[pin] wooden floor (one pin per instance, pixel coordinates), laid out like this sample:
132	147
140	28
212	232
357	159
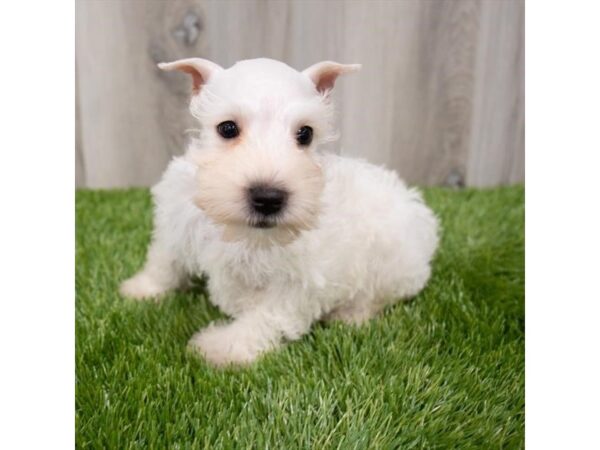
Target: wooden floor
440	97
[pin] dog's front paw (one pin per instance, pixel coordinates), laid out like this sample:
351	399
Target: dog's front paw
224	345
140	287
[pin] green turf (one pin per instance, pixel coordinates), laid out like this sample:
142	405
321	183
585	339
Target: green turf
443	371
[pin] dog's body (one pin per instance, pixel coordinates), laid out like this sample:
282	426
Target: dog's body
287	235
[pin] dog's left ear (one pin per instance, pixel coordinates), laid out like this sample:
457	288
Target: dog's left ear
325	73
200	69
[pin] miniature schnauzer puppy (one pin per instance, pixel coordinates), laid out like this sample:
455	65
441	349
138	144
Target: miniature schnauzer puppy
287	234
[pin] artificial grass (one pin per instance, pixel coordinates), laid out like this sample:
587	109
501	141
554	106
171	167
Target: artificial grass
445	370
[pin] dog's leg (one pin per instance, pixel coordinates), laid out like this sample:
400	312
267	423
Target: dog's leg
253	333
355	313
159	275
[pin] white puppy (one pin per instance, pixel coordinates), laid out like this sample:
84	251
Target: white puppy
287	235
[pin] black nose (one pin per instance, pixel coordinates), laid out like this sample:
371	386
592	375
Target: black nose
267	200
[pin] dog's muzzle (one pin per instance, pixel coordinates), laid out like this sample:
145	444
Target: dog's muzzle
266	203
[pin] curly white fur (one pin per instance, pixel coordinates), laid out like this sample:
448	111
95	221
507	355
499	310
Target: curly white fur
353	239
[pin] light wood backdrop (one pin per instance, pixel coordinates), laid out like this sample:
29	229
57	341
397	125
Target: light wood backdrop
440	97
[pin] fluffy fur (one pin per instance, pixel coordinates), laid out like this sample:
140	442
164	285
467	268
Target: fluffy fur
351	239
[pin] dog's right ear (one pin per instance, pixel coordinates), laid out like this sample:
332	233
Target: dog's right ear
200	69
324	74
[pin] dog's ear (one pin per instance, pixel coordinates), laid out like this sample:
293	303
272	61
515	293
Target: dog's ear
200	69
325	73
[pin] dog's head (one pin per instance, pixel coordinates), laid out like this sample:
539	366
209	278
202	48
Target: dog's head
261	122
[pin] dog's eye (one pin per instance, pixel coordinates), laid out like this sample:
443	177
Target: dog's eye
228	129
304	136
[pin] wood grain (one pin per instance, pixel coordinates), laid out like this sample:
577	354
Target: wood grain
132	115
414	108
440	97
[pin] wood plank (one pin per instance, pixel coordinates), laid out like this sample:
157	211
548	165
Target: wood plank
497	150
132	114
79	162
413	110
